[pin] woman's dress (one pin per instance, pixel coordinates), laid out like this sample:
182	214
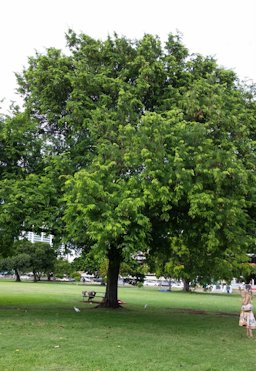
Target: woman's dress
247	318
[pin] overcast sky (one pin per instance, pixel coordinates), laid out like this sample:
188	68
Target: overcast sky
225	29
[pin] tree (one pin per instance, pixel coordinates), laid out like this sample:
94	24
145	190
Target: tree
62	267
18	263
144	145
211	221
20	153
41	255
30	182
134	269
89	262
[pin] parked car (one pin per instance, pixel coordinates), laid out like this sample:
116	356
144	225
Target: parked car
98	279
164	283
26	276
177	284
85	279
67	279
150	283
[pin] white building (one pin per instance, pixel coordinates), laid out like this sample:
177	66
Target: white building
33	237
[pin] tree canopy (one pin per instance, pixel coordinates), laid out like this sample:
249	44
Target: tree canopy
38	257
139	146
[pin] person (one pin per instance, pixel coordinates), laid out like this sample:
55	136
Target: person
228	288
247	318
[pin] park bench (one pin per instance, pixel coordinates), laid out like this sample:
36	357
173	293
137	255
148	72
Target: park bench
91	295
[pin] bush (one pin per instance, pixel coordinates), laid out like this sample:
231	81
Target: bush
76	276
139	284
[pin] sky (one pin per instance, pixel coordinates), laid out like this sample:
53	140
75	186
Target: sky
224	29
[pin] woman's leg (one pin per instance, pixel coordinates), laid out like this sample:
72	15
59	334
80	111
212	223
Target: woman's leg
249	332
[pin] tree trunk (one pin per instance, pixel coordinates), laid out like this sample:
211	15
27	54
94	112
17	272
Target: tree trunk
111	298
17	275
35	276
186	285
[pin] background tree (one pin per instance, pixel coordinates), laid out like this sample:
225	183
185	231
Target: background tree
19	263
89	262
135	270
30	182
38	257
62	267
20	153
42	257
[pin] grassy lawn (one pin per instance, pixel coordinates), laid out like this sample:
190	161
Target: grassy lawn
40	331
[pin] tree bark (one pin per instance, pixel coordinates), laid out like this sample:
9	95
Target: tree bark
34	276
186	285
111	296
17	275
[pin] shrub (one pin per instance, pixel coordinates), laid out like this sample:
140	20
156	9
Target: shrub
76	276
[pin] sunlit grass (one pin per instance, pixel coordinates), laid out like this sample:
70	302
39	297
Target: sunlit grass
39	330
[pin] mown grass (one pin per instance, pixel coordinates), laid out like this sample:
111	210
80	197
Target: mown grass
40	331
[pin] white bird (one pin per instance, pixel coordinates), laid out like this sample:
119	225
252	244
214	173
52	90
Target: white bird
76	309
145	306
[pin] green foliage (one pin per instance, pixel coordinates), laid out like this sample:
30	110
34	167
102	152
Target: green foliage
38	257
62	267
88	262
41	256
143	147
103	271
135	269
76	276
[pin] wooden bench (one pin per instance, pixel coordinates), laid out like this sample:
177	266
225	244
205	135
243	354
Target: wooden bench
91	295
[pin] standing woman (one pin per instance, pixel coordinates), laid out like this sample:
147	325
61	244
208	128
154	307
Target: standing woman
246	316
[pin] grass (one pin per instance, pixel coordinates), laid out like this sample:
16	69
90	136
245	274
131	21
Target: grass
40	331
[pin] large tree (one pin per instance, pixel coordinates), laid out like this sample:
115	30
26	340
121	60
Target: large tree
213	217
145	148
